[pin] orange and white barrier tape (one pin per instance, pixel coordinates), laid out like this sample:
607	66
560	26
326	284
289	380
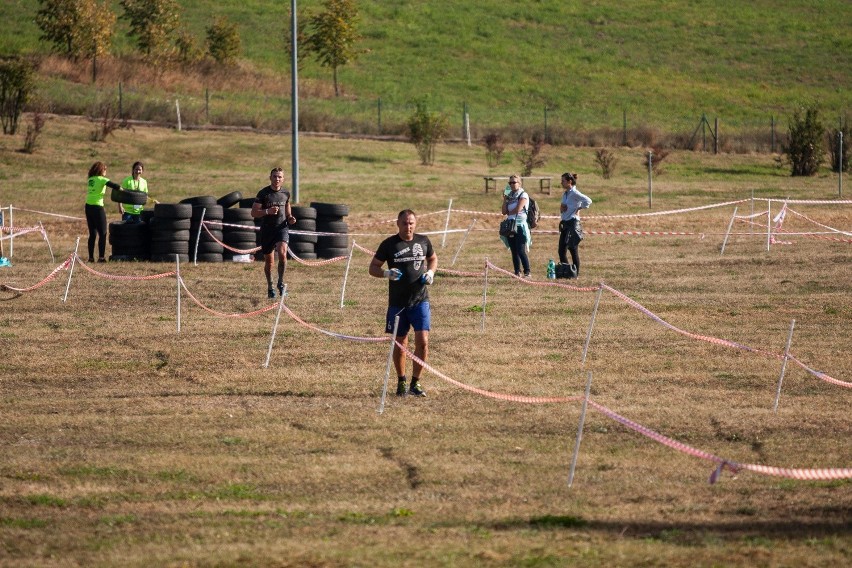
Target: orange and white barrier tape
333	333
49	214
118	277
222	314
63	266
791	473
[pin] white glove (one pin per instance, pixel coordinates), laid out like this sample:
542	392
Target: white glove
427	277
393	274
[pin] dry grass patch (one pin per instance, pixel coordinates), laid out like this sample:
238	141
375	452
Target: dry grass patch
127	442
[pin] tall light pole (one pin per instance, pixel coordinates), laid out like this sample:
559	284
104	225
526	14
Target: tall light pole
294	118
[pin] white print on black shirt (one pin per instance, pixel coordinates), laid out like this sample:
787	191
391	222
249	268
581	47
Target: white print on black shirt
417	256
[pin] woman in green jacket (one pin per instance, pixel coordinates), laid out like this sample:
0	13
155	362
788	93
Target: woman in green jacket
95	212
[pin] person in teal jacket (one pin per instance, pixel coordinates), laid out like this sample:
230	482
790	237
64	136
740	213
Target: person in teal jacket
95	212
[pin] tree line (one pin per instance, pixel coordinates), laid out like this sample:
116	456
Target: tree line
85	29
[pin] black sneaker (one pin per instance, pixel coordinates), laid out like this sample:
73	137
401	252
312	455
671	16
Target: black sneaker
270	293
400	387
415	389
280	287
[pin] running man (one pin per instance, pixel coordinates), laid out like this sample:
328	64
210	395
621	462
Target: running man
411	268
272	204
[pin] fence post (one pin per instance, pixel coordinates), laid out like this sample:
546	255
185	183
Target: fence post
716	135
840	163
177	110
650	167
772	135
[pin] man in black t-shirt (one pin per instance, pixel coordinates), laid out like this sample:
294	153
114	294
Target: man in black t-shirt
272	204
411	268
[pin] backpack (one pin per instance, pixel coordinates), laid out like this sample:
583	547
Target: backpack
533	214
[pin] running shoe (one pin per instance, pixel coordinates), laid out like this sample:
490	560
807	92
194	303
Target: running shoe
415	389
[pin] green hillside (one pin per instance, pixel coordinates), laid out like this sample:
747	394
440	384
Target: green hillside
587	62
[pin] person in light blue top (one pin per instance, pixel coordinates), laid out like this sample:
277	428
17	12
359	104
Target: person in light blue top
570	230
515	204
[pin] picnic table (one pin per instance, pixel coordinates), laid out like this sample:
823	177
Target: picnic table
543	182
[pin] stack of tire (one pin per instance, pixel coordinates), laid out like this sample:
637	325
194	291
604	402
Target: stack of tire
237	237
247	204
304	245
129	241
208	249
330	219
170	232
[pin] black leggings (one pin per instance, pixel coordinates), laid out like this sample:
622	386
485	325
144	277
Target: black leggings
97	223
568	242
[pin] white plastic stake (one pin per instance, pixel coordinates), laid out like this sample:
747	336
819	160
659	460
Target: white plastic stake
447	224
275	327
71	271
177	280
592	323
784	366
50	248
768	223
580	431
177	109
198	236
728	232
12	232
388	367
464	238
346	274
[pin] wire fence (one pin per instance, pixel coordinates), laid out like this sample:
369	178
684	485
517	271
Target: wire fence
634	127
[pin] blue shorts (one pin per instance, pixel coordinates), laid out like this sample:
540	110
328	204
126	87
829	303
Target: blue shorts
418	316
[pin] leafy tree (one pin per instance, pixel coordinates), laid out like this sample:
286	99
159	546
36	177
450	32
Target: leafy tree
804	150
425	130
151	23
17	84
333	35
223	40
57	20
188	50
77	28
96	31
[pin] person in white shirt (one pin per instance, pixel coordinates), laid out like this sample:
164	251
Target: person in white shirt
570	230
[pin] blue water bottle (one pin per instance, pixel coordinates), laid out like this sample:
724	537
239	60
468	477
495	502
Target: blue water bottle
551	269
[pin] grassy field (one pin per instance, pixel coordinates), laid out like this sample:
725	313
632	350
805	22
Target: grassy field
128	443
663	64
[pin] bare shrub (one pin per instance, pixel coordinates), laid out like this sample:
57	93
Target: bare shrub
658	154
529	155
494	148
606	161
644	136
33	131
108	121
